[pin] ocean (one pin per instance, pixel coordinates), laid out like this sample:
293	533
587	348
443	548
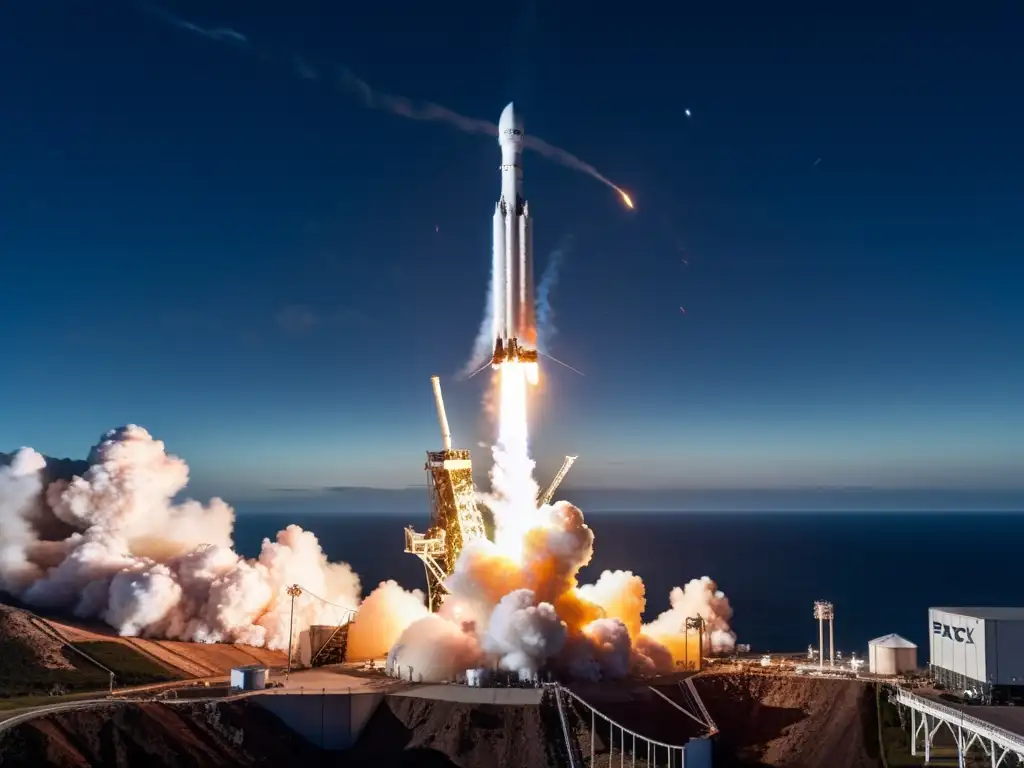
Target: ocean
882	571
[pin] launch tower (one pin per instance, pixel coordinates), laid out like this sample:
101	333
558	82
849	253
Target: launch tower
454	517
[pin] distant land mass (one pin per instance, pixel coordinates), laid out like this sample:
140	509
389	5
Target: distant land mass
346	499
362	500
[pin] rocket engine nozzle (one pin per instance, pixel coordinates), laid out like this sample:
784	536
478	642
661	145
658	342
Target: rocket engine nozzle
511	352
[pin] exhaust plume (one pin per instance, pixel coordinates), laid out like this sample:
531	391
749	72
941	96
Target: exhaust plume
383	616
125	553
483	346
546	329
515	602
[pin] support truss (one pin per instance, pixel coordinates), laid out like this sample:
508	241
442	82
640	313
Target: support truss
1002	747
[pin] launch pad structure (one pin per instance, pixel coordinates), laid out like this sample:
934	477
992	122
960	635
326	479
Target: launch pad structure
455	519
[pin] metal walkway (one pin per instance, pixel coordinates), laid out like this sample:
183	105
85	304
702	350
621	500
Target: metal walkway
928	716
658	753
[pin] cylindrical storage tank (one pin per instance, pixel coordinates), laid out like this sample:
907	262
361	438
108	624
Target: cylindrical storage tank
892	655
251	678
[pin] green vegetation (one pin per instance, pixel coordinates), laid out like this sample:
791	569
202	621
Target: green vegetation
22	675
25	702
130	666
895	741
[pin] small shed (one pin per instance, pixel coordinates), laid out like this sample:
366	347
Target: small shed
891	655
250	678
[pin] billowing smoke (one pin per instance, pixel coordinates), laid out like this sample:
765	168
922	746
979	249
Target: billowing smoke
515	603
383	616
699	597
107	541
434	649
110	543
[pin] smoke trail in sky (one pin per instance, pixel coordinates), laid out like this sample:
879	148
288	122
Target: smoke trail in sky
396	105
403	107
217	34
545	312
484	344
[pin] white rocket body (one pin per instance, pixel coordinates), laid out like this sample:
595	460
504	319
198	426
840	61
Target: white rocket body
513	313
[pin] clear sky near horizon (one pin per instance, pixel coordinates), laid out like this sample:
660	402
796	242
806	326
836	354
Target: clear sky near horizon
200	236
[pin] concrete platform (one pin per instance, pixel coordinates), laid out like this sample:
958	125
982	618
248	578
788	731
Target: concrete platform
466	695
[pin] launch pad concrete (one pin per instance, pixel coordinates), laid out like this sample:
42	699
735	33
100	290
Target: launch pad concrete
469	695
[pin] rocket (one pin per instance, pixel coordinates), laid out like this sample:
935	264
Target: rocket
513	312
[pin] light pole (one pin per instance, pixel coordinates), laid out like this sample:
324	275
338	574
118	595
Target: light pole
824	611
293	591
697	623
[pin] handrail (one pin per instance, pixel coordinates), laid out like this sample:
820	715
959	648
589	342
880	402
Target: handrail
690	715
622	727
565	728
956	715
700	703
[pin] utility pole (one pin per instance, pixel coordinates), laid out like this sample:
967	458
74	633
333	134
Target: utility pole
697	623
293	591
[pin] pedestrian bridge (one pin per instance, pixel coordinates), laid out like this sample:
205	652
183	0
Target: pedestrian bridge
972	728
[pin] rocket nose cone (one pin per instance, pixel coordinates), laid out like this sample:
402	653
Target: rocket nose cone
510	126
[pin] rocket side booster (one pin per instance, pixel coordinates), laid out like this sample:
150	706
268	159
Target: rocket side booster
512	314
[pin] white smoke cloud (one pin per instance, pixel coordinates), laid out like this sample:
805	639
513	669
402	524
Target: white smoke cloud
148	566
699	597
109	543
21	484
522	633
434	649
383	616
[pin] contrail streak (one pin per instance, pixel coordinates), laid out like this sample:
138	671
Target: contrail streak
403	107
428	111
388	102
217	34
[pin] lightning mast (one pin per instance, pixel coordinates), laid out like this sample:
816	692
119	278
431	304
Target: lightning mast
454	517
549	494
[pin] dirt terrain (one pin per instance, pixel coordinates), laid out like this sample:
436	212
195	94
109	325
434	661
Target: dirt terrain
35	660
23	644
190	659
791	721
40	656
157	736
406	731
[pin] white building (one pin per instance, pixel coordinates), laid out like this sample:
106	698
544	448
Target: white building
891	655
978	651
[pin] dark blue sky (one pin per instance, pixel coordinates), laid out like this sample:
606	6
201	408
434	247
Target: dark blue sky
264	273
